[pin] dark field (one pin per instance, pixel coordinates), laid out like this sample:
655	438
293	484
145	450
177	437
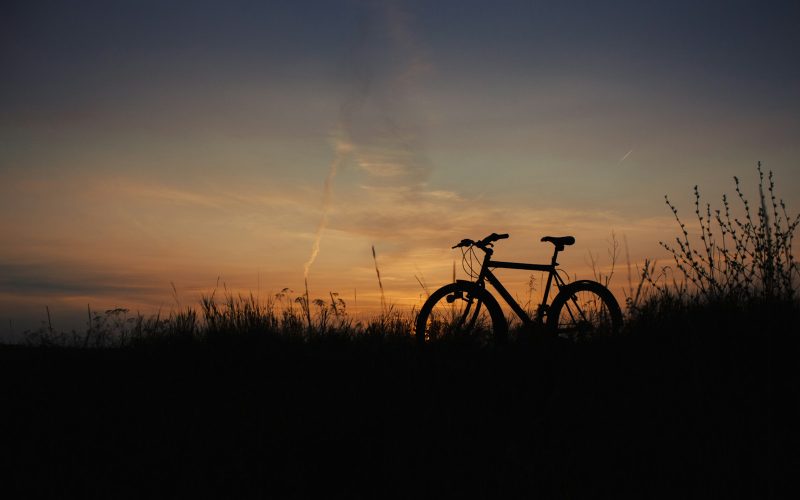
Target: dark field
682	404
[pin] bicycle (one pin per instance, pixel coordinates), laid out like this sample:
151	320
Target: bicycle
580	310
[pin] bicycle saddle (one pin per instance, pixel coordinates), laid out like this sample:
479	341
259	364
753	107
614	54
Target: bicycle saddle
560	241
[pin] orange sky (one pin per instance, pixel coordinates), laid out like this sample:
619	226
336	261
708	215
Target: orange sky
134	157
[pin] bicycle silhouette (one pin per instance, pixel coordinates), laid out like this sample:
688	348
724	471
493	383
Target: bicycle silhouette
581	309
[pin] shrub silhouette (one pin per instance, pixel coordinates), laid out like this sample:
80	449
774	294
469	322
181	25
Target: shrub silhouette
738	259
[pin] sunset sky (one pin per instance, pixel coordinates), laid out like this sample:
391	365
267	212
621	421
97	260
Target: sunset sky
145	143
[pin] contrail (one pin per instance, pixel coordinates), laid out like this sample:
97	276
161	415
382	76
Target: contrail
373	131
343	148
625	157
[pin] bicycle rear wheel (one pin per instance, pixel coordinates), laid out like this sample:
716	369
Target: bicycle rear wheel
584	310
461	310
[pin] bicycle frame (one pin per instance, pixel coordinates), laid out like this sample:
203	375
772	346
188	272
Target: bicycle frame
487	275
580	309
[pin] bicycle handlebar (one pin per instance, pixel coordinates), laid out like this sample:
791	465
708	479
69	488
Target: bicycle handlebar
482	243
464	243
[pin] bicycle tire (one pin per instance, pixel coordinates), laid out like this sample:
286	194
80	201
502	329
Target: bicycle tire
584	310
446	314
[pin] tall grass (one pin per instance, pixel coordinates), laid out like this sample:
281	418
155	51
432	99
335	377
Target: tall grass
228	317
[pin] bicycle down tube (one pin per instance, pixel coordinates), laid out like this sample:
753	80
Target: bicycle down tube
491	278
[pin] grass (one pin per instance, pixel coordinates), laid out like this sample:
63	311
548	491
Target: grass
289	397
684	404
240	316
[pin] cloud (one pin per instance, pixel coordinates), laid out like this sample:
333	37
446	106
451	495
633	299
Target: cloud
218	197
69	279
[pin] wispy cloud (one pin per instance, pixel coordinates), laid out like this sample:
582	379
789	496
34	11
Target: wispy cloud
71	278
219	196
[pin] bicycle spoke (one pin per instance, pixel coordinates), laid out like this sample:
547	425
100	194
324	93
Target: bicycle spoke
456	314
584	315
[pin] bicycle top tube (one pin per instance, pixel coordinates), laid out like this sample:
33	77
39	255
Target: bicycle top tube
497	264
486	243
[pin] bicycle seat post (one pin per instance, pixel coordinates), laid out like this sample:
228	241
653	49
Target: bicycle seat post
553	262
560	243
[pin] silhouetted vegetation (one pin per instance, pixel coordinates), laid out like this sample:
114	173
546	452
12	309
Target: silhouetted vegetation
727	263
740	259
290	397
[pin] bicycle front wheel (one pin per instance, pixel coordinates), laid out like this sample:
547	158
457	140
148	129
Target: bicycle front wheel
584	310
461	310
